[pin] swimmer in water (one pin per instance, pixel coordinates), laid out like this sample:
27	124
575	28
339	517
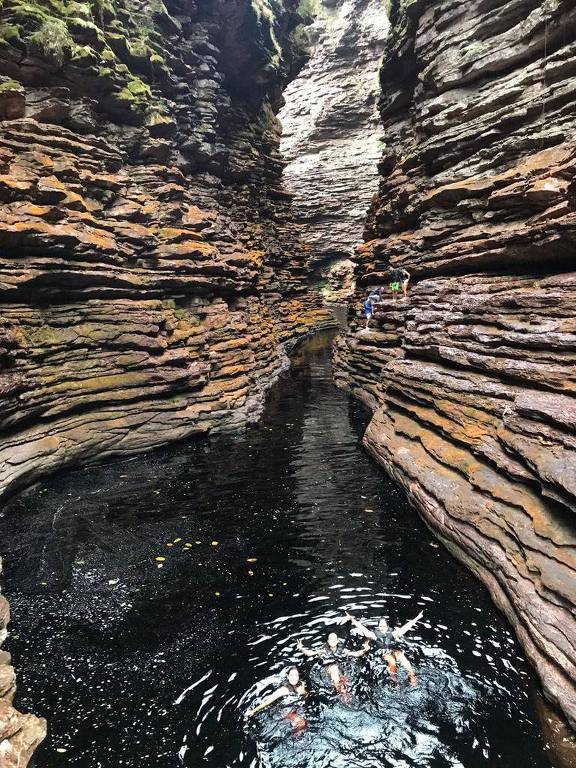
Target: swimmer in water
330	654
294	689
385	640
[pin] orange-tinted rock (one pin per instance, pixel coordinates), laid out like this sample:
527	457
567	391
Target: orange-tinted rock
150	275
473	380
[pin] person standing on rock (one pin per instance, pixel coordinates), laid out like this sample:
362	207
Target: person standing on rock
330	655
386	640
399	278
368	311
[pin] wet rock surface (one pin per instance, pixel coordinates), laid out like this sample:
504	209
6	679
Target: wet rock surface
331	132
150	275
472	379
149	271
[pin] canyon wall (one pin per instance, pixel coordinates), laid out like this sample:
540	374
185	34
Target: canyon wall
150	274
472	380
331	131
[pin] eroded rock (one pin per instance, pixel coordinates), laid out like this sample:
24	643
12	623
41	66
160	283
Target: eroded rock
472	380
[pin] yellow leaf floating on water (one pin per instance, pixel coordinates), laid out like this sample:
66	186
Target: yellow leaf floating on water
177	540
217	594
159	559
187	544
197	542
368	510
251	559
215	543
60	749
250	573
169	544
159	565
270	594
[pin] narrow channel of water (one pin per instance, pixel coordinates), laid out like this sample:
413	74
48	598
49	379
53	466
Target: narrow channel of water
267	537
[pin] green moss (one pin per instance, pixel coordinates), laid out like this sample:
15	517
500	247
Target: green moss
115	41
138	88
84	54
12	85
156	118
52	41
10	33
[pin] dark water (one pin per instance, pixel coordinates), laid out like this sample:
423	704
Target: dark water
273	534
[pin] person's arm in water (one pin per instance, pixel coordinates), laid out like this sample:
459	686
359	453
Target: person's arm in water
408	626
361	628
278	694
307	651
361	652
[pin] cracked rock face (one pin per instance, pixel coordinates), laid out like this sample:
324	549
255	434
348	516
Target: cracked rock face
331	131
150	273
472	380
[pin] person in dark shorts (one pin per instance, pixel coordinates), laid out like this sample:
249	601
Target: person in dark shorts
330	655
399	278
292	691
386	641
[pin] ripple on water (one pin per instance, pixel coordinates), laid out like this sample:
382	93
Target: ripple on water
267	538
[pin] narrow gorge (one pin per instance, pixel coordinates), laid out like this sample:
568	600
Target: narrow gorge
191	188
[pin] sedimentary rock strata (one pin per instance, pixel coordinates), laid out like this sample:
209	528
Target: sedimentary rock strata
19	734
150	274
331	134
473	379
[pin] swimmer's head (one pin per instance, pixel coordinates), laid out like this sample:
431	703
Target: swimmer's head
333	640
293	676
383	625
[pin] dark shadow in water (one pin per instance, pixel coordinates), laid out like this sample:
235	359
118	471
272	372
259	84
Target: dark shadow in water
267	537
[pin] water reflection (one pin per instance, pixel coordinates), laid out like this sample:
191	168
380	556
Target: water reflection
159	598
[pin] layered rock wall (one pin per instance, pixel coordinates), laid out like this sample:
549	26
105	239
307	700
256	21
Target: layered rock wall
146	281
473	379
150	273
331	132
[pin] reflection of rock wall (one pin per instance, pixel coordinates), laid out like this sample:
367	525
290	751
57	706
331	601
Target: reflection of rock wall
149	273
330	126
473	379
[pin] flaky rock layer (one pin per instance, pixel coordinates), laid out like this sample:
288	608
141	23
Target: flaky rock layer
473	379
150	275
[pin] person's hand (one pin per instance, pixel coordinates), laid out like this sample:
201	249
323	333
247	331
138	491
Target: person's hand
348	616
420	615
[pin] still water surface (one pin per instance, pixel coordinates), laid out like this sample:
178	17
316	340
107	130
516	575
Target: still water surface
267	538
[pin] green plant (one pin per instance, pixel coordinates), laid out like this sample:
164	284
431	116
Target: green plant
51	41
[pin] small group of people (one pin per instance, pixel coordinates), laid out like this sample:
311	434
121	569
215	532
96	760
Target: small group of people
385	640
399	279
